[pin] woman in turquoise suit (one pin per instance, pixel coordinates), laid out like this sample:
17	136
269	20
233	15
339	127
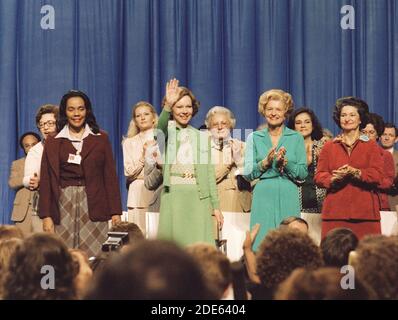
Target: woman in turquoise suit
276	156
189	197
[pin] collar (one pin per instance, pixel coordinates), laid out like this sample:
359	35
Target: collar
285	132
64	133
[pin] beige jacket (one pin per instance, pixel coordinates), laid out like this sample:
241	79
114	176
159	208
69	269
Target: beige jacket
23	203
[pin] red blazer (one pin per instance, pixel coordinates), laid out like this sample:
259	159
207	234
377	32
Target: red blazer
102	187
352	200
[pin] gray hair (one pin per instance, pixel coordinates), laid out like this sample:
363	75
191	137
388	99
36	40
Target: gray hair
218	109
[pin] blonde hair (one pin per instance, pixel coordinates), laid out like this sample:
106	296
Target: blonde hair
133	128
222	110
277	95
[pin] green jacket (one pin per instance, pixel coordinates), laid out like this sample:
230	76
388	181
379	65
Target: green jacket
204	169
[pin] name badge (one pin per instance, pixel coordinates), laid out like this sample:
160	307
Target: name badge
74	158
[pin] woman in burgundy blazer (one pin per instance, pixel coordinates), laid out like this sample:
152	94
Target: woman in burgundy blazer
350	167
79	189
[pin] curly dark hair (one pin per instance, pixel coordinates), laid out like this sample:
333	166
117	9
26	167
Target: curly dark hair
24	276
282	251
317	132
90	118
377	122
186	92
360	105
28	133
337	245
376	264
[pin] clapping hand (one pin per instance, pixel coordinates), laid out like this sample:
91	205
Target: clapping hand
280	158
267	161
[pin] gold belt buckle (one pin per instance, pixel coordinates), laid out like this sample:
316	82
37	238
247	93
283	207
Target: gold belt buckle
187	175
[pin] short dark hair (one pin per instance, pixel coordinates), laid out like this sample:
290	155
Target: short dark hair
282	251
337	245
46	108
316	133
289	220
391	125
134	231
377	122
29	133
151	270
361	106
90	118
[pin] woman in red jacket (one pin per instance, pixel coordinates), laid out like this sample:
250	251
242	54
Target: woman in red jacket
79	189
350	167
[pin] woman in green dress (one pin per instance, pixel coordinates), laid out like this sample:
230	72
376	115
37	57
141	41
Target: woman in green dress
276	156
189	197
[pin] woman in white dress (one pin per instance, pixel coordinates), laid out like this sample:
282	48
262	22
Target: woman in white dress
139	134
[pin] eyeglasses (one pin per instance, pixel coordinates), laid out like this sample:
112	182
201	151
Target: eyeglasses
49	124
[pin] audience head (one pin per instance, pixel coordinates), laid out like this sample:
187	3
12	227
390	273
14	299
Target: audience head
375	127
151	270
46	119
281	252
351	113
337	245
134	231
9	232
220	121
7	248
294	222
306	122
389	136
75	110
376	265
215	267
40	257
320	284
28	140
144	117
275	105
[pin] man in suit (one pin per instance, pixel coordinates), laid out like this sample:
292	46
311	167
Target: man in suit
24	198
388	140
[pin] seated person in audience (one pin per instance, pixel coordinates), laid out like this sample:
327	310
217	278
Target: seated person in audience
134	231
22	280
151	270
7	248
281	252
337	245
376	265
215	268
294	222
24	198
84	274
46	120
374	129
320	284
8	232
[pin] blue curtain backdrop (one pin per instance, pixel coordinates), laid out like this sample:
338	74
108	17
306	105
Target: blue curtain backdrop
227	51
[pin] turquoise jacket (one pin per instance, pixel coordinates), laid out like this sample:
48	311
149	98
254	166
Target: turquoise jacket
257	146
204	169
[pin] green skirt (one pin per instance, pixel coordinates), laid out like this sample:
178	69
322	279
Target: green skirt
184	218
